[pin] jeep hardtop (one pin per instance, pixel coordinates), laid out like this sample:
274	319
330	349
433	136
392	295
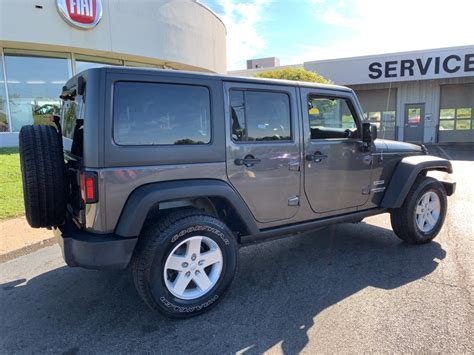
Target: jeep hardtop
169	172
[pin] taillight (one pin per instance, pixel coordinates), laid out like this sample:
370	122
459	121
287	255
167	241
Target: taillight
88	184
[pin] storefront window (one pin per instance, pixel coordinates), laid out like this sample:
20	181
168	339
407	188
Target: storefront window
456	118
3	102
447	114
463	113
374	117
383	120
34	84
463	124
446	125
84	62
388	119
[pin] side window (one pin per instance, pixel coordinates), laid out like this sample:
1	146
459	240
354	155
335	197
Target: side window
158	114
258	116
331	117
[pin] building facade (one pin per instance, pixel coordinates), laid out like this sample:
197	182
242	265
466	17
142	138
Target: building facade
44	42
263	63
419	96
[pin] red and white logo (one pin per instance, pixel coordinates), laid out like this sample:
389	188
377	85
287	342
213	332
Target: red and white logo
81	13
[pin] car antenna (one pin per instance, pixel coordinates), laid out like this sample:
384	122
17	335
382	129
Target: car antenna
386	110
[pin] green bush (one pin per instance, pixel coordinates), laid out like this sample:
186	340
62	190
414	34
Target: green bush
296	73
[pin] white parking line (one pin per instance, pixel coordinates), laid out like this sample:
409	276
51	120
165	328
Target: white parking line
445	153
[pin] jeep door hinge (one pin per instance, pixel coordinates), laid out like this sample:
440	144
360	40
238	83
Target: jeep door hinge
294	201
294	165
366	190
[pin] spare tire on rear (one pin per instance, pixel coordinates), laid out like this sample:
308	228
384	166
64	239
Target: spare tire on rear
44	176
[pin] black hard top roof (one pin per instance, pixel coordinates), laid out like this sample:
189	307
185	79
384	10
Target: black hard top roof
210	76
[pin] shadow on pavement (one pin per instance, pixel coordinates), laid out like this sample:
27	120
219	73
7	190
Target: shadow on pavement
279	289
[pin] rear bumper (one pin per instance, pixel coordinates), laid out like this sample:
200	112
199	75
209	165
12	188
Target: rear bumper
94	251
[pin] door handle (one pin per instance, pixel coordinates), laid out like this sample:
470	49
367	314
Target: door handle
248	161
316	157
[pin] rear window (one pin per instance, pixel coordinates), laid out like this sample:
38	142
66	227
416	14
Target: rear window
161	114
72	122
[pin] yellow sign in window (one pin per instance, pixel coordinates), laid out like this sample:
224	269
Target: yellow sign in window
313	111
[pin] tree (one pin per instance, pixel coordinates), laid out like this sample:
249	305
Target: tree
294	73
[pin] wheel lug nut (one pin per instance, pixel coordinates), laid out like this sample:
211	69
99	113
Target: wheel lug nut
197	272
200	262
185	264
193	257
188	274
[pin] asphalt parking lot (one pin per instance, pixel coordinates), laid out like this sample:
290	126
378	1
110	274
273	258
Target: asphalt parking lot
348	288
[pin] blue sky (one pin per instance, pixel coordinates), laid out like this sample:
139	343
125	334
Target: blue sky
305	30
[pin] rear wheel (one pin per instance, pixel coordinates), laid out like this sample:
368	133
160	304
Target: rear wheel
43	175
184	263
422	215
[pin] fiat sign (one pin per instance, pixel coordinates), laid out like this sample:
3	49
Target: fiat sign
84	14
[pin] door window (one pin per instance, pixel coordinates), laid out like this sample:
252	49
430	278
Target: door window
331	118
414	116
258	116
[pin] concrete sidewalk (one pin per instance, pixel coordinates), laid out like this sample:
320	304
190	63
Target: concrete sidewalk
18	238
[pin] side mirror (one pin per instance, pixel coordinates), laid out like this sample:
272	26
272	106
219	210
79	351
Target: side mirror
373	131
369	132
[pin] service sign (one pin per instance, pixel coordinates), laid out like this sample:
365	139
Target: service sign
84	14
440	63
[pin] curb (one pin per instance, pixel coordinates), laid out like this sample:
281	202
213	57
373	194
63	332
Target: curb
27	250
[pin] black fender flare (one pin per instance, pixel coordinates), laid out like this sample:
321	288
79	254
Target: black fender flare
405	175
144	198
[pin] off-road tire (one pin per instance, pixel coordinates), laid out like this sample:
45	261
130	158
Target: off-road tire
43	175
157	241
403	219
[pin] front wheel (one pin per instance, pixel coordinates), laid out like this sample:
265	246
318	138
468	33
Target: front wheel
185	263
422	215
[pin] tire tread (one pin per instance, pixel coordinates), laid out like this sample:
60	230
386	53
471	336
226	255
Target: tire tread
402	218
154	236
43	175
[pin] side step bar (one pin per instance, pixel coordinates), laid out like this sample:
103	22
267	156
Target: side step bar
282	231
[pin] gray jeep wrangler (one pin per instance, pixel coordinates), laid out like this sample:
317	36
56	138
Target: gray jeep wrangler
169	172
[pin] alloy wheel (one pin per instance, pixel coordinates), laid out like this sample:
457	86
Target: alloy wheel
428	211
193	267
